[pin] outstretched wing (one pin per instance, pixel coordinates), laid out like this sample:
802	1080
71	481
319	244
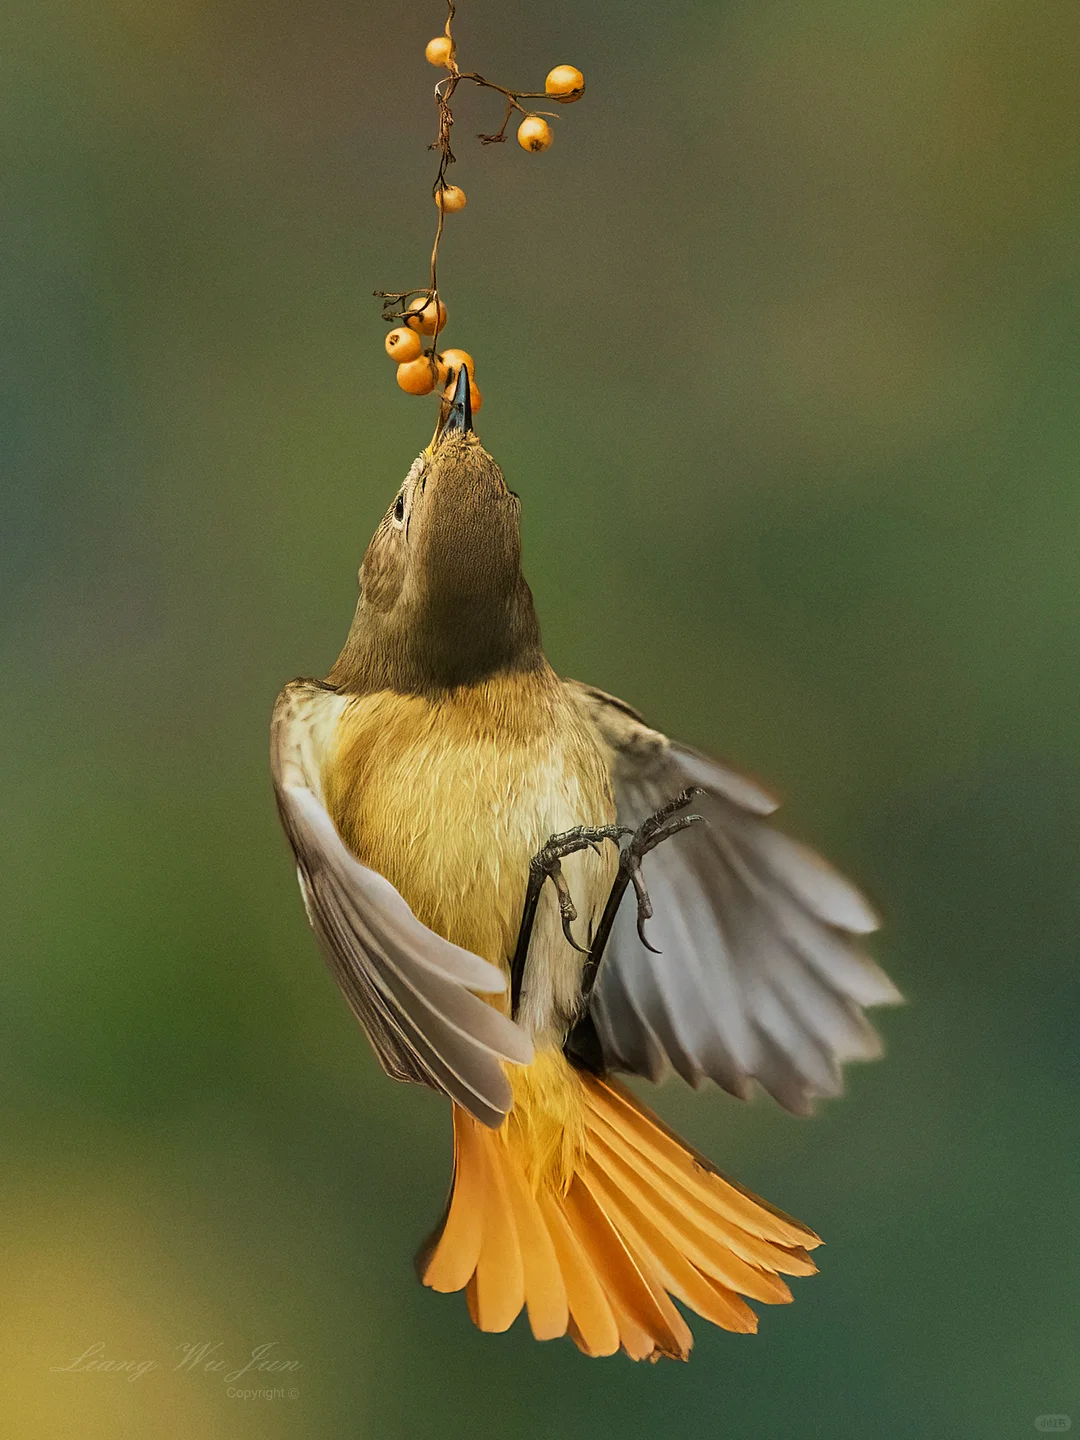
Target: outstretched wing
410	989
759	976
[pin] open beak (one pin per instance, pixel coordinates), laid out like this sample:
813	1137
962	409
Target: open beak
455	417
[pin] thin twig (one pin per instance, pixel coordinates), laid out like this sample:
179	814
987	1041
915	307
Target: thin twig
396	303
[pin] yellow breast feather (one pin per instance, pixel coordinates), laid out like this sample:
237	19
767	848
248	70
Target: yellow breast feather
450	798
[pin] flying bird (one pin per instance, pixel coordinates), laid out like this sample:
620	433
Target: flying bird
525	891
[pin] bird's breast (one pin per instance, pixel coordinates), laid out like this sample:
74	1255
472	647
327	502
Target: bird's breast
450	798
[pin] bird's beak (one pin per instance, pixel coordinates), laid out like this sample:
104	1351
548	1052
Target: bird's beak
455	417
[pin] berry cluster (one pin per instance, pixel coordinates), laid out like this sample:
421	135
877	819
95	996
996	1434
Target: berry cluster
420	370
422	312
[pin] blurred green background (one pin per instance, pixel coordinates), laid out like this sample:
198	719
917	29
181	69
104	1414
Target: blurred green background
780	346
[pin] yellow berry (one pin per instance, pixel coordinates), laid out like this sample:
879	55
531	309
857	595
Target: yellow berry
565	82
450	198
454	359
534	133
422	315
439	51
415	376
403	345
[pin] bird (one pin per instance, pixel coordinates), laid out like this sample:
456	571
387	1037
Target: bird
510	886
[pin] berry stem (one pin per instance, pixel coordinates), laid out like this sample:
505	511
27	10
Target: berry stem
396	303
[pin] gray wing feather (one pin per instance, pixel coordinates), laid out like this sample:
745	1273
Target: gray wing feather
411	990
759	977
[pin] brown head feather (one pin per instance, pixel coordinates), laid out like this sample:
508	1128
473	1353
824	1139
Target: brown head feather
443	601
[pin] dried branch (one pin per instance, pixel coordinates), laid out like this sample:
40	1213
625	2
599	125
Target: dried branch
396	303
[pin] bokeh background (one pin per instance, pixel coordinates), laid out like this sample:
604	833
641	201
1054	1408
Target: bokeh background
779	344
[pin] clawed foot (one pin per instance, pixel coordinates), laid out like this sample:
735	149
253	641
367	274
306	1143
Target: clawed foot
545	864
652	832
659	827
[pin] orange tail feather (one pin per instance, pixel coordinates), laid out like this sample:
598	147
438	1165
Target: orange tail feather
643	1218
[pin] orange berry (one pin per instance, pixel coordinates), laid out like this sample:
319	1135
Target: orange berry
415	376
534	133
454	359
450	198
422	316
403	345
565	82
439	51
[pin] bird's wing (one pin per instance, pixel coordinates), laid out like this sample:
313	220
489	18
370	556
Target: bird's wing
759	976
410	989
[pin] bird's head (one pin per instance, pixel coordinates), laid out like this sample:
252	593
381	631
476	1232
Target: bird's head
443	601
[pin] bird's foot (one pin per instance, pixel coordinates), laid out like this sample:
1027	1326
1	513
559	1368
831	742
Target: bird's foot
659	827
546	865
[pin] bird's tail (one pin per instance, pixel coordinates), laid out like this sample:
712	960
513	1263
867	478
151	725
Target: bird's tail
599	1252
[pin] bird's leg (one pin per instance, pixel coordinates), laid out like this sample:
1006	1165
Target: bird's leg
651	832
546	865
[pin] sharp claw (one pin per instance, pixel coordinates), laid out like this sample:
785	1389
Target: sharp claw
648	838
581	949
644	905
641	936
567	911
658	820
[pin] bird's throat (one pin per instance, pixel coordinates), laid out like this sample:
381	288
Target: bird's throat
450	640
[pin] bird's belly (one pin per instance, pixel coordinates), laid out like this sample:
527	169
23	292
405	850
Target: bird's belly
451	805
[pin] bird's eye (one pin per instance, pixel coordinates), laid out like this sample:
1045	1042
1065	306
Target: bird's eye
399	508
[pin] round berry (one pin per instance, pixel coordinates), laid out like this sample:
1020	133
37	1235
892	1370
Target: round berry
415	376
534	133
439	51
454	359
450	199
403	345
424	316
565	82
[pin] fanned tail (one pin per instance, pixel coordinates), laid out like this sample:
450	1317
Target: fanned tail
643	1218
